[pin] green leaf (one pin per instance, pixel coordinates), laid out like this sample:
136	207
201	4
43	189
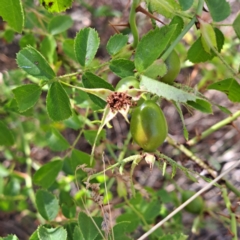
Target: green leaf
77	234
175	236
116	43
56	5
87	227
236	25
119	230
56	141
133	221
90	136
4	172
219	9
34	236
12	12
59	24
122	67
52	233
6	137
91	80
68	48
27	96
10	237
178	21
74	122
166	8
185	5
157	70
197	53
224	109
48	49
26	40
13	107
165	90
32	62
9	35
185	131
47	174
47	204
58	103
79	158
86	44
152	45
201	105
152	210
208	36
228	86
68	211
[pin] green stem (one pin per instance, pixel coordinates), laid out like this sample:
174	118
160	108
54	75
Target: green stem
233	71
28	179
178	39
70	74
214	128
188	153
232	188
222	24
125	145
232	215
201	163
132	23
137	212
128	159
184	31
200	7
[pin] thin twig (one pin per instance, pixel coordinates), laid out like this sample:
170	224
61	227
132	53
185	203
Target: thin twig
214	128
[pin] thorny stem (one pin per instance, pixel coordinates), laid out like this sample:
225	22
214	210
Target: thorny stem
188	153
132	22
214	128
201	163
188	201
